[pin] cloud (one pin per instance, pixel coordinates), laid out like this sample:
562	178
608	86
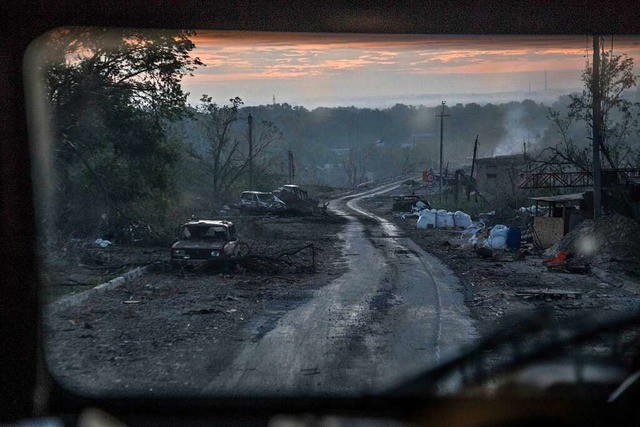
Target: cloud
346	63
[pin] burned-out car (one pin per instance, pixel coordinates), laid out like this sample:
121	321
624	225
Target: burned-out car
205	240
258	201
296	199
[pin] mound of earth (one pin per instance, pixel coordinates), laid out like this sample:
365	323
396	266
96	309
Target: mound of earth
612	242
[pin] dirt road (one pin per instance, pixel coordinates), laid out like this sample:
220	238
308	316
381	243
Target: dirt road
396	311
378	310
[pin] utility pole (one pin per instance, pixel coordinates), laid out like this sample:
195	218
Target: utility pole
442	115
250	121
292	168
473	163
597	128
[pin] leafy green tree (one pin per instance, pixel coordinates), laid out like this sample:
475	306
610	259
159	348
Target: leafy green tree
112	92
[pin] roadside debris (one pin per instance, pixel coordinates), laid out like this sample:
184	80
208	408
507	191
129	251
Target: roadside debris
610	242
300	260
409	203
548	294
102	243
497	237
566	263
513	279
559	259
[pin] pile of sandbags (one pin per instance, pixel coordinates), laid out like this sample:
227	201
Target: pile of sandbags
427	219
497	237
432	218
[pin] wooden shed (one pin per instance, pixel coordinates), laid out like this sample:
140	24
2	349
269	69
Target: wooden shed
563	215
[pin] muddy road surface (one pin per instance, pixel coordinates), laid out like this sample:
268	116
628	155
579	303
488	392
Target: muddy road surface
396	311
378	311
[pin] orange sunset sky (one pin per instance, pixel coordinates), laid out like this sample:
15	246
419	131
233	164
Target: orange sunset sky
379	71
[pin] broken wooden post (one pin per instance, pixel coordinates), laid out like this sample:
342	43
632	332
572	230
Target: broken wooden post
473	163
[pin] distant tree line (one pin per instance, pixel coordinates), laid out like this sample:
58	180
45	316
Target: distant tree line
343	146
130	156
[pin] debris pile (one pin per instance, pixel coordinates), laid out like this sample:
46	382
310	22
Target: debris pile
409	205
611	239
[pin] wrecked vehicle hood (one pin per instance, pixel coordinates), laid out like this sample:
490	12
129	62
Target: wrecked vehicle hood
198	244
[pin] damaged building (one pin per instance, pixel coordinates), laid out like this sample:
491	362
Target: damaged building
498	178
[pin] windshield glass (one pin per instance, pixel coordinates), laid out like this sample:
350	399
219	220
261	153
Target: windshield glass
204	232
429	187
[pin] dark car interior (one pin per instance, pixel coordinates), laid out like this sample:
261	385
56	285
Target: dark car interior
29	393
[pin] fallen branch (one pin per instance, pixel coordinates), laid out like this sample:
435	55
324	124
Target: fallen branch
279	262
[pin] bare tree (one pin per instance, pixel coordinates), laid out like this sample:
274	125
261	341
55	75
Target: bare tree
227	159
615	78
350	165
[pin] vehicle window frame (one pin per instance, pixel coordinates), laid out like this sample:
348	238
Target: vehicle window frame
21	362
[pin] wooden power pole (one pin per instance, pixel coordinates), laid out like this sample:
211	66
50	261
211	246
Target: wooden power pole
597	128
250	121
292	168
442	115
473	164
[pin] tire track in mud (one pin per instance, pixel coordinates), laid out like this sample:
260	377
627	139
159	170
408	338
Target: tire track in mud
392	237
387	318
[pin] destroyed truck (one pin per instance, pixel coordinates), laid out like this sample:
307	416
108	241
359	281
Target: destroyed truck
297	201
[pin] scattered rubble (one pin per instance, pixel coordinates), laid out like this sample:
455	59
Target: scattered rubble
513	278
611	242
409	203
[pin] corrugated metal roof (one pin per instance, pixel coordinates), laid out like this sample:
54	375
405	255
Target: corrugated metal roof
559	198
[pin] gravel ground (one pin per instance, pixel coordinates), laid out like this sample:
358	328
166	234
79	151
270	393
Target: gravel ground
152	334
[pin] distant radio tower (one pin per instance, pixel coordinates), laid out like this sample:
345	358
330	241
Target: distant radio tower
274	100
